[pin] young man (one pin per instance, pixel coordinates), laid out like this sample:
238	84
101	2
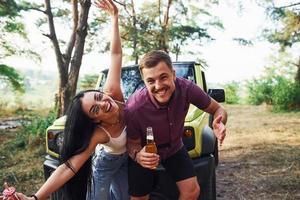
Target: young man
163	105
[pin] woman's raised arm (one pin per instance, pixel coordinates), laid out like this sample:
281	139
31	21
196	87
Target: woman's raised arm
113	81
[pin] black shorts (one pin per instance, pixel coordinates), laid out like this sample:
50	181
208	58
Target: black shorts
141	180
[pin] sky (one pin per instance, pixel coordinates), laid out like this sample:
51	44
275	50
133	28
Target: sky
227	60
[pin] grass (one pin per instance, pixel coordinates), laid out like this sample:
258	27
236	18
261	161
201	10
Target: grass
260	157
258	160
22	152
21	167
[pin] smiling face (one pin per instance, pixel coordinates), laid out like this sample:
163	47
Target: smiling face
159	81
100	107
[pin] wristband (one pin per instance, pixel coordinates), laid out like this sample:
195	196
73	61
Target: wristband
35	197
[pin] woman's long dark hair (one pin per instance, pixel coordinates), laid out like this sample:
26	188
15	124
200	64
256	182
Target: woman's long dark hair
77	136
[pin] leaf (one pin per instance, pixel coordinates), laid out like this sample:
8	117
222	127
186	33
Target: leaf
10	75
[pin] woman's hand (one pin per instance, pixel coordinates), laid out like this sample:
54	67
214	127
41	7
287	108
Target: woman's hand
107	5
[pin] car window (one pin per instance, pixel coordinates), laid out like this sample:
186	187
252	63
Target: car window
185	70
131	79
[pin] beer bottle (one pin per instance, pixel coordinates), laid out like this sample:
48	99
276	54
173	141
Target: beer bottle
150	146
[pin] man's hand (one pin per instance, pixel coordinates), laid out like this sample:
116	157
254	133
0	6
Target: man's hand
147	160
219	129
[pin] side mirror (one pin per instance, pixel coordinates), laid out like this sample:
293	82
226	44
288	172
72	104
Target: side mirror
217	94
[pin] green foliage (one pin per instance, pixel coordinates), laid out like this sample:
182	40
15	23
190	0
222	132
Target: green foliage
260	91
277	86
286	27
243	42
39	124
286	95
15	27
8	8
10	75
9	11
88	82
231	91
146	29
278	91
12	26
62	12
34	129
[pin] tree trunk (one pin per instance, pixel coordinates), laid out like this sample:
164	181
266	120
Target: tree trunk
135	37
165	44
75	64
297	78
163	40
69	63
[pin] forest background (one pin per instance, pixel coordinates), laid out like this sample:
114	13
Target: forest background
53	41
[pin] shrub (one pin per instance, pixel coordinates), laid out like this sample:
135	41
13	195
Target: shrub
259	91
88	82
231	91
286	95
279	91
34	129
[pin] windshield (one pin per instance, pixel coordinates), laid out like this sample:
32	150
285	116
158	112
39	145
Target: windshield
131	78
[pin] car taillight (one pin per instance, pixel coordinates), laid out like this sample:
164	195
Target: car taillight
55	140
189	138
188	133
51	135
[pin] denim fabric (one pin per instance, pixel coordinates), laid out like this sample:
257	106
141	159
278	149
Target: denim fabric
110	178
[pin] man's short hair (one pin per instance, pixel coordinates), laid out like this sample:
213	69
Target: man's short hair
152	58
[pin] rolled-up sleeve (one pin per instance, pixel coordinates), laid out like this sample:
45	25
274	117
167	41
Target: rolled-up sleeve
198	97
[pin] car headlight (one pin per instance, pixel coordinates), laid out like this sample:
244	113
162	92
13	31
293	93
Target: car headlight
189	138
55	140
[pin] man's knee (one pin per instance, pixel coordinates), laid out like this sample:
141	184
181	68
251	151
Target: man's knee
189	189
191	193
196	192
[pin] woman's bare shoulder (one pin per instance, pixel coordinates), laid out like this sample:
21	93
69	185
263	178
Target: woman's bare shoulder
100	136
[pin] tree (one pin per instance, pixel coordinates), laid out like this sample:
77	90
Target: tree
150	28
167	25
287	33
69	61
11	25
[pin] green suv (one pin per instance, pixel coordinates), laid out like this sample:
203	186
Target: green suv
197	137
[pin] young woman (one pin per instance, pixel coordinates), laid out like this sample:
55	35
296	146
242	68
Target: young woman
94	118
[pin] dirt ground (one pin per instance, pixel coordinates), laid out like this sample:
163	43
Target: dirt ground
260	157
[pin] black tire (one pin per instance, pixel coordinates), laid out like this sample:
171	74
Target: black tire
209	191
216	153
216	149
